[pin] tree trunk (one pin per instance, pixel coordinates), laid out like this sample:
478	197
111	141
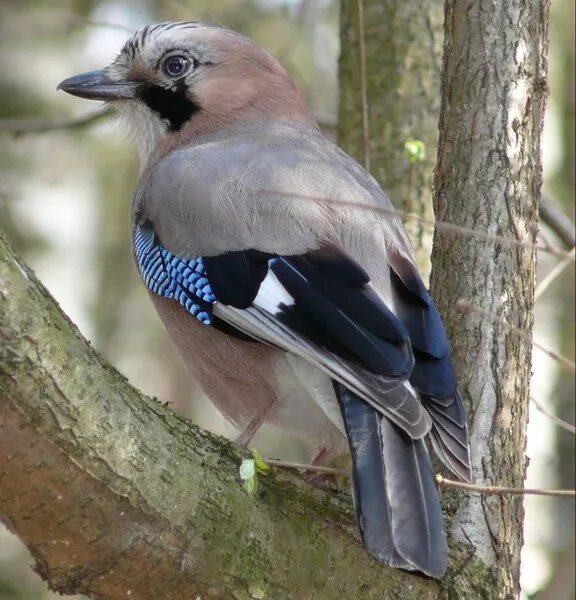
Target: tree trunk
488	179
397	100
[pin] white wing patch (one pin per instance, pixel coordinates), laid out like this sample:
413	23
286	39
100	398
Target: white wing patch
272	295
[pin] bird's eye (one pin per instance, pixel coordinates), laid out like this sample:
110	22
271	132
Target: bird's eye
175	66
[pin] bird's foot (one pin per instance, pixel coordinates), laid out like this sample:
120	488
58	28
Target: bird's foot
316	477
250	431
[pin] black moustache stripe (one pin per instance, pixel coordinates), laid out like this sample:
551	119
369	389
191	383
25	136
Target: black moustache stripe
172	105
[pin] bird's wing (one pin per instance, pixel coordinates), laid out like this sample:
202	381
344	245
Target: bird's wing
433	374
317	305
239	201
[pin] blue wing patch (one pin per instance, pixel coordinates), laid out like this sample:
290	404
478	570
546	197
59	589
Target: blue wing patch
172	277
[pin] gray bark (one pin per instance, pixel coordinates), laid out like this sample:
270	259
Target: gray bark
488	178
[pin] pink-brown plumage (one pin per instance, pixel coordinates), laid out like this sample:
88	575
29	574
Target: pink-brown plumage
248	382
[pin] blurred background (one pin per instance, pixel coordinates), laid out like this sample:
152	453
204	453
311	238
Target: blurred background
64	195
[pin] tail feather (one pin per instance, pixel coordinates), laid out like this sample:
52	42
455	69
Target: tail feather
395	495
452	408
449	434
454	461
417	524
369	482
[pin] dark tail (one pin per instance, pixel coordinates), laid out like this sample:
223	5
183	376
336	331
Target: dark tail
395	495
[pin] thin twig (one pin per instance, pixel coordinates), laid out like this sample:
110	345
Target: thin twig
499	491
19	127
466	306
441	225
442	482
554	418
558	221
107	25
292	465
78	20
553	275
363	84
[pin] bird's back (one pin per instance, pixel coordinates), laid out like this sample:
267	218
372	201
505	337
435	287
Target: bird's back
279	187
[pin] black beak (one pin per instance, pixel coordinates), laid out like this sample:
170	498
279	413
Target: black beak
96	85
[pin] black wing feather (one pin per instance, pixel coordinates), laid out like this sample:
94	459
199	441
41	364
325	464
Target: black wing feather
235	277
334	306
337	265
433	374
337	311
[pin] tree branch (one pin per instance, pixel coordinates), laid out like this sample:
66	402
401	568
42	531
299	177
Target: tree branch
560	224
22	126
115	495
497	490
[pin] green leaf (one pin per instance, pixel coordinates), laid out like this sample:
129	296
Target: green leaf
251	484
261	466
414	150
249	475
247	469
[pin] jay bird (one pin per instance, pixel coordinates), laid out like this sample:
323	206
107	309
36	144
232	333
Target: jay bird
288	303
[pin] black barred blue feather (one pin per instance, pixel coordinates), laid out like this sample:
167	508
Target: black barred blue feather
171	277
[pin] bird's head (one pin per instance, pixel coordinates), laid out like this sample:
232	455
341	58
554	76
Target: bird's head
174	81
